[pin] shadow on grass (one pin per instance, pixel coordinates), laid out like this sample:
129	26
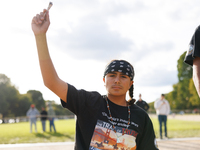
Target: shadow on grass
48	135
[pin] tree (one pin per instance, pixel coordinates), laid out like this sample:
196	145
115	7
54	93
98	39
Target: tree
8	96
59	110
3	104
184	95
4	80
37	98
184	76
184	70
14	104
172	96
23	105
194	98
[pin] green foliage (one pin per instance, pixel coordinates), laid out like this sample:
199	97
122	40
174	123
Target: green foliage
184	76
37	98
8	96
194	98
151	107
184	95
59	110
171	97
184	70
4	80
23	105
14	104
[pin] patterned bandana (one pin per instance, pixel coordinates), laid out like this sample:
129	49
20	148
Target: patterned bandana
120	66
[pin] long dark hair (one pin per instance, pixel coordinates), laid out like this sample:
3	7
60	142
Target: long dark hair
131	95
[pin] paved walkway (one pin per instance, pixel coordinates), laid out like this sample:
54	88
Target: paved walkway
179	144
170	144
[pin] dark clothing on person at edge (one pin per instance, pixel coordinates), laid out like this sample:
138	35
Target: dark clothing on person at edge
194	48
142	104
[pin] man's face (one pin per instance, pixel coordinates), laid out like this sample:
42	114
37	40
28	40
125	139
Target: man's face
162	97
117	83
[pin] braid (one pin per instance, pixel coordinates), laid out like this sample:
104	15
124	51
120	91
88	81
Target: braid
131	92
131	100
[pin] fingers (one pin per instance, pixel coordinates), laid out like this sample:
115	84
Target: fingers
46	14
40	22
39	18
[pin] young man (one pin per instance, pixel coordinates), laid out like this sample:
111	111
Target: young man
103	122
142	104
192	58
162	110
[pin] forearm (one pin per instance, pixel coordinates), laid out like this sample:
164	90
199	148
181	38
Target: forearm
47	69
49	74
40	24
196	74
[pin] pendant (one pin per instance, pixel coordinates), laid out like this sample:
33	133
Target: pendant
118	140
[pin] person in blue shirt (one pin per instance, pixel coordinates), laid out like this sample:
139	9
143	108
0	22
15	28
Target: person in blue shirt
32	114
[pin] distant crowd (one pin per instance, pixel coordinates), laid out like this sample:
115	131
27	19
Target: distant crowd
33	113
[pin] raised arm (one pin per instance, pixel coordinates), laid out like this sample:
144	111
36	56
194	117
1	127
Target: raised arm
40	24
196	74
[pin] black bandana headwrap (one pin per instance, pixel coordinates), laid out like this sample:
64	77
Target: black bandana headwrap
120	66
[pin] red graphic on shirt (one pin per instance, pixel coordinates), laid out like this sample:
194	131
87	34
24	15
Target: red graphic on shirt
106	139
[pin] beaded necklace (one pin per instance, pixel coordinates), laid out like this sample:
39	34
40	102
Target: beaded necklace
129	114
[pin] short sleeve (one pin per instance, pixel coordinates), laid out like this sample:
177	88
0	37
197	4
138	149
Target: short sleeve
79	100
194	48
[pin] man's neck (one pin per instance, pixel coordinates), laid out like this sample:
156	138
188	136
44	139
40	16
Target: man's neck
119	100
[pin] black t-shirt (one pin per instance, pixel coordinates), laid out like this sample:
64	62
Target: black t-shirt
94	128
194	47
142	104
44	115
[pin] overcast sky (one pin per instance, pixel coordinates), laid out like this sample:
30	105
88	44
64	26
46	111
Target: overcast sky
85	35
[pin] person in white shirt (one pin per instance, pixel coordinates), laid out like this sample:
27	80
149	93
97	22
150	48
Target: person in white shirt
162	110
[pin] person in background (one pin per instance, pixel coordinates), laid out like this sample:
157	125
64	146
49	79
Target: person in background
32	113
141	103
162	110
51	115
43	114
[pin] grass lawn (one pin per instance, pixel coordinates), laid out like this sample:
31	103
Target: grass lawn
19	132
178	128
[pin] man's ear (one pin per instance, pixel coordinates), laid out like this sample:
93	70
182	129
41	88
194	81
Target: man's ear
104	80
131	83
